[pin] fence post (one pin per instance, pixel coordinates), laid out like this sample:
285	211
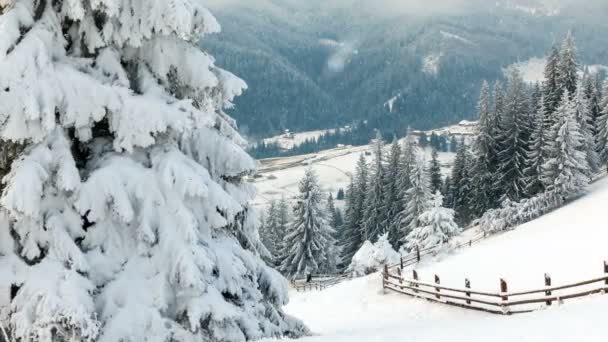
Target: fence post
417	253
437	281
415	276
606	271
548	284
400	278
470	243
503	290
467	284
401	261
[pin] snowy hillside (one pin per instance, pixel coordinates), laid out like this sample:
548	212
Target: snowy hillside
570	244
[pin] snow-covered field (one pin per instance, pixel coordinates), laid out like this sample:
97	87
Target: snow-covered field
280	176
291	140
570	244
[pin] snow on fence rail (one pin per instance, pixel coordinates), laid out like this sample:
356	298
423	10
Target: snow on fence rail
502	302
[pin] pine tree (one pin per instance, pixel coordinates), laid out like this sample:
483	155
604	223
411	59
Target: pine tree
352	232
602	139
513	140
436	227
582	113
127	217
374	221
484	196
567	69
461	185
552	93
408	160
392	190
565	170
435	173
594	97
334	214
416	198
537	152
309	242
268	232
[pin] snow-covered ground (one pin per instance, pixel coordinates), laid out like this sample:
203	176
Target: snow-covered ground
279	177
569	243
290	140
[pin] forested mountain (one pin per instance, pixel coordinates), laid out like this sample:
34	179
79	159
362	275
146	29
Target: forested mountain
309	68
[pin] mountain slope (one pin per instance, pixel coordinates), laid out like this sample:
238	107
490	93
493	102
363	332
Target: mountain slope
568	243
316	66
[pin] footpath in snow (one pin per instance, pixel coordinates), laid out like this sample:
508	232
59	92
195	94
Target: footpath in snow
570	244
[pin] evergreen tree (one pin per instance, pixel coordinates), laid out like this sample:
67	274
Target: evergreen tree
594	97
269	233
566	169
374	221
126	216
436	227
416	198
392	192
552	93
484	165
513	140
435	173
453	144
408	160
334	213
537	152
567	70
352	232
309	244
583	114
461	185
340	196
603	126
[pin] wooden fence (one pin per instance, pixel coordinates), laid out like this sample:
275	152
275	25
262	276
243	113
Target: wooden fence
501	302
322	281
319	282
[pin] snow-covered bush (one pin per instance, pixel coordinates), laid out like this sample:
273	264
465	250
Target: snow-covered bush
126	216
513	214
371	258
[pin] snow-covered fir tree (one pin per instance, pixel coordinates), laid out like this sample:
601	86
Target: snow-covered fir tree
566	169
309	244
392	191
602	126
435	172
552	93
126	216
461	183
335	216
374	214
352	232
410	152
274	229
485	151
436	226
582	113
567	69
513	140
537	151
416	198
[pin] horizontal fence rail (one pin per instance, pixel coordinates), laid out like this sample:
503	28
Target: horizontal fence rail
502	302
